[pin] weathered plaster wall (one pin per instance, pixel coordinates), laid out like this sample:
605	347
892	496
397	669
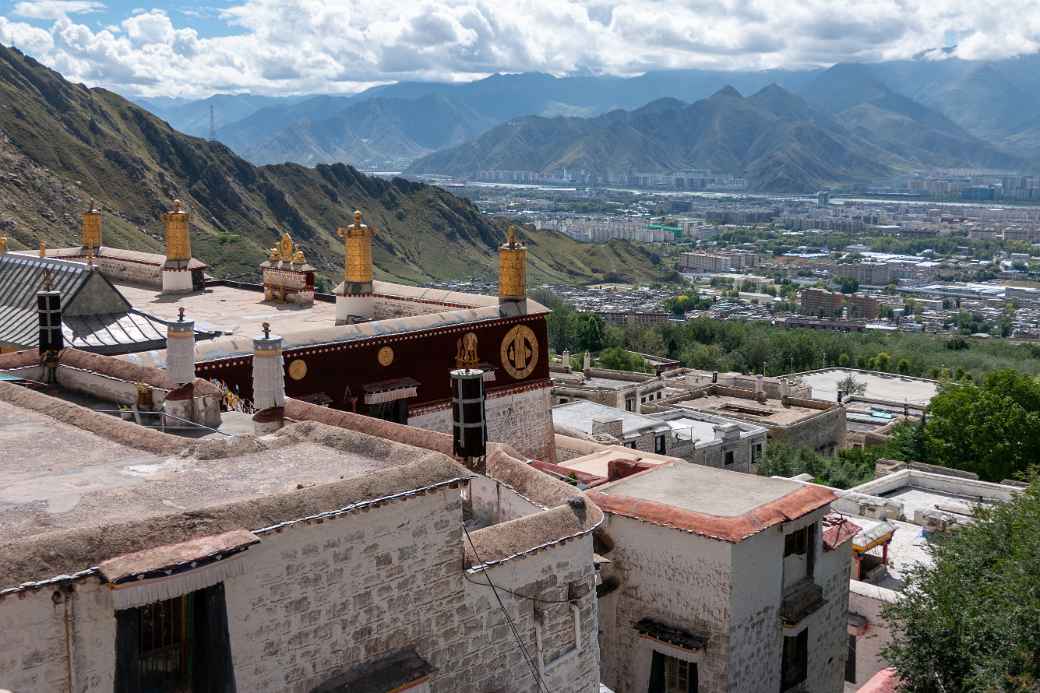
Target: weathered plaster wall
867	601
521	419
676	578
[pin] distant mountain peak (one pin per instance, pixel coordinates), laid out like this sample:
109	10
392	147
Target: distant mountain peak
727	91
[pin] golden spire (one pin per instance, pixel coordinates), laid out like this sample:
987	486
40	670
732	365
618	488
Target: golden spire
512	268
90	236
358	250
3	245
178	240
43	248
286	251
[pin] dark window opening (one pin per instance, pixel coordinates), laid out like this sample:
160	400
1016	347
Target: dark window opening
729	458
795	665
395	411
796	542
756	453
850	661
659	445
672	675
632	445
179	645
630	404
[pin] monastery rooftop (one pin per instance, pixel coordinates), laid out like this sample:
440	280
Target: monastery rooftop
770	412
688	497
230	310
880	386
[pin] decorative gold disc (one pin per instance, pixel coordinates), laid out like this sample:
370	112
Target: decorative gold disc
385	356
520	352
298	369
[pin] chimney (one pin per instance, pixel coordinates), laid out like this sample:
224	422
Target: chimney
587	364
176	276
759	385
512	271
841	395
354	300
268	383
566	358
785	388
469	427
90	236
180	349
715	377
51	339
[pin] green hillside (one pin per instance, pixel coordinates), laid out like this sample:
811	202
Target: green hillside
62	145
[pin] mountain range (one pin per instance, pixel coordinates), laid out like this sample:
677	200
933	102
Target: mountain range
959	112
62	145
850	129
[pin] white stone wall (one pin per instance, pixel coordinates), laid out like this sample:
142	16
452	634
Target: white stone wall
177	281
674	577
35	654
129	272
105	387
318	599
522	420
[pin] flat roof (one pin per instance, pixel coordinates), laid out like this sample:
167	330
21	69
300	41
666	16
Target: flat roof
909	547
231	310
890	387
580	415
769	412
716	503
59	477
696	487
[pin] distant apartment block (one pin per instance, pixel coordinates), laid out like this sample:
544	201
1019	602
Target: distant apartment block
603	229
730	261
831	304
641	319
867	273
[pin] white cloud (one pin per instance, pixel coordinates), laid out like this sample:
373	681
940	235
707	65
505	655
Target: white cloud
53	9
286	46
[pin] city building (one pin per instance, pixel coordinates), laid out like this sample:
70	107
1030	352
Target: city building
722	261
802	423
709	591
621	389
695	437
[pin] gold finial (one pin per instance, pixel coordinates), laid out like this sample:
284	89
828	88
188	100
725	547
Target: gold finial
90	236
48	280
266	327
512	268
357	250
3	245
466	351
43	248
177	231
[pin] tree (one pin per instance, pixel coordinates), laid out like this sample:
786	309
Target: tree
589	332
883	361
850	386
968	622
903	366
618	359
992	429
848	285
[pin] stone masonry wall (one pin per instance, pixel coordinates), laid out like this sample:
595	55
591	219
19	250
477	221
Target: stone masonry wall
319	598
674	577
825	430
522	420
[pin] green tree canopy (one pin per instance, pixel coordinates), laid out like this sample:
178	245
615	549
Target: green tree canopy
971	621
992	429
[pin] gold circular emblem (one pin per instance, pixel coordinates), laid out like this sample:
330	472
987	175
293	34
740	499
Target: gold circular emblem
385	356
520	352
297	369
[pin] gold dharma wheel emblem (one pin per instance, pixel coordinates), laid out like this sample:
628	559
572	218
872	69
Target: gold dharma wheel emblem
520	352
298	369
385	356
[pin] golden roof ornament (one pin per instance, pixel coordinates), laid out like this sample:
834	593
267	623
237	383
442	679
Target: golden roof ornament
43	248
286	251
512	269
178	239
466	351
357	241
3	245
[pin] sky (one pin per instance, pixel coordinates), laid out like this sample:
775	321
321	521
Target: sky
333	46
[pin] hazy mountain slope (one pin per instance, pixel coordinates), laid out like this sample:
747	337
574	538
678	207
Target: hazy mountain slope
192	116
379	133
863	104
62	144
725	133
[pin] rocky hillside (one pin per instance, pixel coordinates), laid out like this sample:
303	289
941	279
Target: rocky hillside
63	144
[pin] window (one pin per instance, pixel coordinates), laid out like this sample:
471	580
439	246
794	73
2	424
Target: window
756	453
672	675
795	542
850	661
659	445
729	458
632	445
179	645
795	664
630	404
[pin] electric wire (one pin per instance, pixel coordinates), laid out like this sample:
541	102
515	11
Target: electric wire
509	619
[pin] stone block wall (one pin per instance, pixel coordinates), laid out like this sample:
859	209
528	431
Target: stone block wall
521	419
676	578
823	432
130	272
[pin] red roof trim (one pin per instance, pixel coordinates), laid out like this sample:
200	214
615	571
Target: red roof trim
732	529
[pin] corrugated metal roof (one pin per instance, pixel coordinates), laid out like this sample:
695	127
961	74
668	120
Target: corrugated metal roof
22	276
